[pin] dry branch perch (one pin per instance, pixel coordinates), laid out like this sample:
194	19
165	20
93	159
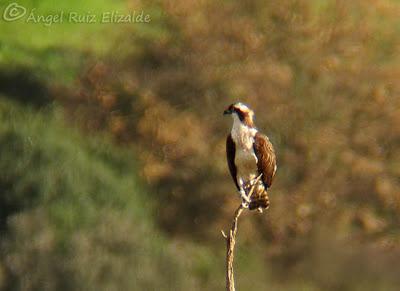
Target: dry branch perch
231	241
230	247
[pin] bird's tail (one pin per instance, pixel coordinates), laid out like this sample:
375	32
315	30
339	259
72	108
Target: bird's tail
259	199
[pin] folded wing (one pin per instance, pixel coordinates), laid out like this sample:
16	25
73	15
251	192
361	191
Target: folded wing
230	157
266	158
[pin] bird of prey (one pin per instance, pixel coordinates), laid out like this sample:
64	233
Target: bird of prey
251	158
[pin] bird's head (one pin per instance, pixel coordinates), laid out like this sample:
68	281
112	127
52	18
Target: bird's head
242	112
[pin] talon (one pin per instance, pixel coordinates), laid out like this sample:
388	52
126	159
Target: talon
244	196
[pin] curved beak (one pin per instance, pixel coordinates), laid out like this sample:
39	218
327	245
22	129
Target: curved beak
227	111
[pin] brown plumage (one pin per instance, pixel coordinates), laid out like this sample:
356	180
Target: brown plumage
249	154
259	200
230	157
266	163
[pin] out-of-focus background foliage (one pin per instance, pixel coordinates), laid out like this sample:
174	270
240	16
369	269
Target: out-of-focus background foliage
112	145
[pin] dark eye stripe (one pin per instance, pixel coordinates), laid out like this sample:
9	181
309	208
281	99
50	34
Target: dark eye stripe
244	117
240	114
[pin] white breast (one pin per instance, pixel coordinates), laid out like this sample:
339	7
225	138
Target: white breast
246	164
245	158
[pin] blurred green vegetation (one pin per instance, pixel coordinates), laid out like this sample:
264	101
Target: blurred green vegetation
56	52
76	216
113	172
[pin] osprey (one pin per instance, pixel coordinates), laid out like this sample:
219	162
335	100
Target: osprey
251	158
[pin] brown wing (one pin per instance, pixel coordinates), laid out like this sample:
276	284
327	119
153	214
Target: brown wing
230	157
266	158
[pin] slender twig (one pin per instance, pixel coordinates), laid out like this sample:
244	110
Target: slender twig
230	247
231	241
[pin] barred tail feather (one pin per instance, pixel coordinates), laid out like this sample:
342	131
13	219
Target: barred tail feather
259	199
